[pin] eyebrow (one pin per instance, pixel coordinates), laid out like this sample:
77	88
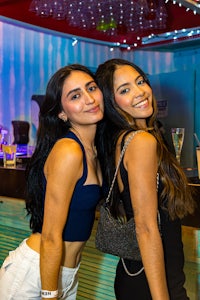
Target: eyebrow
127	83
79	89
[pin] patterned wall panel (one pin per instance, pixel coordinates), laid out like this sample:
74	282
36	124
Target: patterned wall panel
30	55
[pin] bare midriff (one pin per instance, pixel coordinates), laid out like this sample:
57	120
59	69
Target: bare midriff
71	250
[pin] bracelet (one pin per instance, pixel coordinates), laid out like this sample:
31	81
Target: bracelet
49	294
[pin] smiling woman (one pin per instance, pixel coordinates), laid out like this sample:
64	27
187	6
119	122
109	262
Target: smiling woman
131	107
63	188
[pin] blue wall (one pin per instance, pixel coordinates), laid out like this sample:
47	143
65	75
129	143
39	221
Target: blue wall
30	55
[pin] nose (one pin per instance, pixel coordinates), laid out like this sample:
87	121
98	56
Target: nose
138	91
89	98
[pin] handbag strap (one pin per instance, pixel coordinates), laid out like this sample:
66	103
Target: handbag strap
120	159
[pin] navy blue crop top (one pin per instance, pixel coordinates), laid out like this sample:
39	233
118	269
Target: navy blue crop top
81	214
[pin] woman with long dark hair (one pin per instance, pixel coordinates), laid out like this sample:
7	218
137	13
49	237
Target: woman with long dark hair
63	188
130	106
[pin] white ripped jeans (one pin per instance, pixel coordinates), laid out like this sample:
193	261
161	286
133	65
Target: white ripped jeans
20	277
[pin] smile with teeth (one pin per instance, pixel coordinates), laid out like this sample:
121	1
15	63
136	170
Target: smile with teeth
141	104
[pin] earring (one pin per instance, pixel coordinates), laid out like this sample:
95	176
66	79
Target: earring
63	116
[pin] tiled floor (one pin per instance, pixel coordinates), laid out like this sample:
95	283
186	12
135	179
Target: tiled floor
95	265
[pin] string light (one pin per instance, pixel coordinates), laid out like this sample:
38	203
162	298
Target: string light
75	41
190	4
169	36
152	39
111	17
115	17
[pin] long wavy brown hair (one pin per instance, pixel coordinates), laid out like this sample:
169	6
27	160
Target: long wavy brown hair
175	185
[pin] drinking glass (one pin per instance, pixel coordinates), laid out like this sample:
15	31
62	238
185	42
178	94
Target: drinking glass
178	138
9	155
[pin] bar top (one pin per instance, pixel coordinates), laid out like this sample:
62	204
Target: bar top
192	175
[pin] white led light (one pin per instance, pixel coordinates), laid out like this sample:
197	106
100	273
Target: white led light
75	41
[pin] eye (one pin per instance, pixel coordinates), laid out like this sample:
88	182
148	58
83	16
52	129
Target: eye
92	88
124	91
141	81
75	96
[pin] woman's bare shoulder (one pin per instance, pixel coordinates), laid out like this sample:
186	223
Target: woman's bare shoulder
65	152
141	137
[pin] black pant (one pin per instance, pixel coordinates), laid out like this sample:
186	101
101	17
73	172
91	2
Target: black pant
128	287
136	287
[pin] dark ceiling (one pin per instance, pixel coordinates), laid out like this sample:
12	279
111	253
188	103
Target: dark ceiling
178	18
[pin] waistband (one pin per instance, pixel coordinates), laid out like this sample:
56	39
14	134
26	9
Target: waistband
27	252
34	256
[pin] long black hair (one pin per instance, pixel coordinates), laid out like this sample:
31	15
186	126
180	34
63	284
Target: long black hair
50	129
115	122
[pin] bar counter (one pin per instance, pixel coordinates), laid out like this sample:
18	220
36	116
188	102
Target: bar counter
12	180
194	182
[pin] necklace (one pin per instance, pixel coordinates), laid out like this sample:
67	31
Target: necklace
91	151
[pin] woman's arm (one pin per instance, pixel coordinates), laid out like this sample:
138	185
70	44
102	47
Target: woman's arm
62	170
141	163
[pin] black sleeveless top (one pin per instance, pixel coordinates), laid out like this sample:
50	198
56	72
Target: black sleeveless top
171	238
